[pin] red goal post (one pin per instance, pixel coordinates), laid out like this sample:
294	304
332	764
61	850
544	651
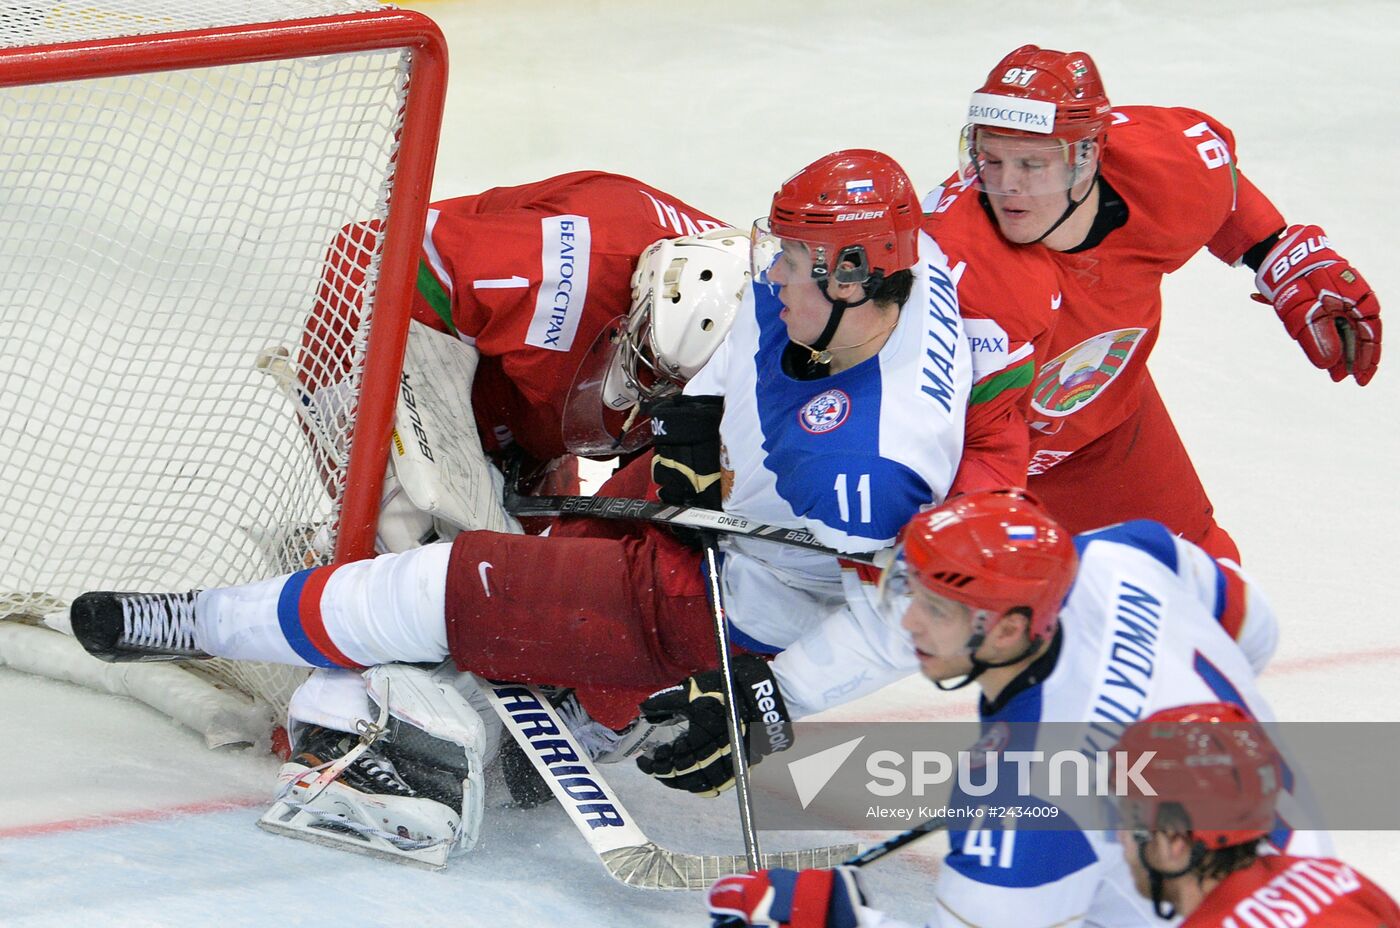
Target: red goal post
170	184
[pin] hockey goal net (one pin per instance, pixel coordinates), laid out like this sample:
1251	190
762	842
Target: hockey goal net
172	175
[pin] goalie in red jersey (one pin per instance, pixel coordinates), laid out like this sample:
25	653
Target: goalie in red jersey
564	304
1118	198
1193	844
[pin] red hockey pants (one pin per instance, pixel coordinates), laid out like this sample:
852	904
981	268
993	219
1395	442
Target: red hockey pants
615	609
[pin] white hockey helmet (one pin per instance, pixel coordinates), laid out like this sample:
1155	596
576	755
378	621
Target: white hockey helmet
685	294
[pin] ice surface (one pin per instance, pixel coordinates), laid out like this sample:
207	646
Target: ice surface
112	815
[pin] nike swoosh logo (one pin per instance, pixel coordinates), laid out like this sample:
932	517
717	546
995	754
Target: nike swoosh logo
1055	301
481	569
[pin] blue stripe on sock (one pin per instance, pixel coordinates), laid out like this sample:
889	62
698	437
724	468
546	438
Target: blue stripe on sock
749	642
289	618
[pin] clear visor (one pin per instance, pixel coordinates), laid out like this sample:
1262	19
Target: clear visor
764	250
601	413
778	261
1018	165
901	591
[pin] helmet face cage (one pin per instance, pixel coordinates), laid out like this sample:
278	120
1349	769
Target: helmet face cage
596	422
685	294
642	375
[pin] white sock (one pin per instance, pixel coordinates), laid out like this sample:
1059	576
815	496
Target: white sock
376	611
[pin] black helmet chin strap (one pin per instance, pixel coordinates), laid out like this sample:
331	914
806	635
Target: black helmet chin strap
839	307
1156	879
1069	209
980	666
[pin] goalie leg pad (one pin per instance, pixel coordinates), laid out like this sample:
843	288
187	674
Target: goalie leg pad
402	526
336	699
412	788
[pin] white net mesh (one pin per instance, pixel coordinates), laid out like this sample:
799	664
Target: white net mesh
48	22
157	232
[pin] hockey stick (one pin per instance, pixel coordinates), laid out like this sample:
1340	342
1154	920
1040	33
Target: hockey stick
710	520
275	361
627	853
872	854
737	754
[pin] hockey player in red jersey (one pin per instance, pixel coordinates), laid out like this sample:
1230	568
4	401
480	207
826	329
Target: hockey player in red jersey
1119	198
576	299
1009	297
531	276
1194	845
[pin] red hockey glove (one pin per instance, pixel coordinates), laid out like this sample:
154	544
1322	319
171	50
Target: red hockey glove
1324	303
787	899
698	761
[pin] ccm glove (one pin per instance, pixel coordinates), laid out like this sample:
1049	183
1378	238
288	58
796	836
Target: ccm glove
698	761
1324	303
685	432
787	899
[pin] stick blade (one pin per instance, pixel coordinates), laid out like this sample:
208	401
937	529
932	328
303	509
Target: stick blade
648	866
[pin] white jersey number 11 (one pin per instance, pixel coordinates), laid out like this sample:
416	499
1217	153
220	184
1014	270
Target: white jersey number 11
843	502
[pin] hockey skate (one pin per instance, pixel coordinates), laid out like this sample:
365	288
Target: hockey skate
136	626
406	787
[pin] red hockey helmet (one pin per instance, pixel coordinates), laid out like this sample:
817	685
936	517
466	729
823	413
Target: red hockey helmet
1212	760
994	550
856	207
1039	93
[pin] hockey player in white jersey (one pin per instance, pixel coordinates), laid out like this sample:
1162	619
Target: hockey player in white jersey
844	386
1100	629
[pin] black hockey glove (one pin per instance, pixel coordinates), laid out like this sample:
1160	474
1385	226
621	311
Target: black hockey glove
698	761
685	432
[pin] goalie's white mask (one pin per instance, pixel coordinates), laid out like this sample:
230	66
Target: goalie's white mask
685	294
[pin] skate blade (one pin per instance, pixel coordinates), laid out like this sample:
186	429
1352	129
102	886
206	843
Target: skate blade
290	822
